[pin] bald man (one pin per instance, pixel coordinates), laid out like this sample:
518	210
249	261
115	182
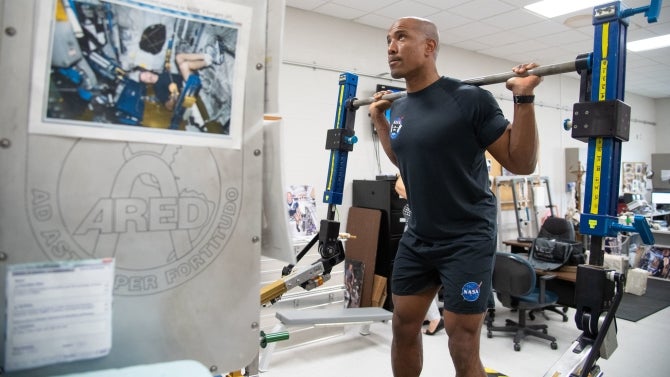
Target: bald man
437	138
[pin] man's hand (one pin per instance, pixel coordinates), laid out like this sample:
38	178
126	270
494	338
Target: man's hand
523	86
381	124
379	105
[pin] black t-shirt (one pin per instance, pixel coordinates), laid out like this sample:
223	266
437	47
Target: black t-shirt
439	136
162	85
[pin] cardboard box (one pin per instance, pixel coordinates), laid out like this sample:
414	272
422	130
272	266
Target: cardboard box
616	262
636	281
378	291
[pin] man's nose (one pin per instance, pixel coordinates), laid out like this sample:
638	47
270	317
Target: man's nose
392	48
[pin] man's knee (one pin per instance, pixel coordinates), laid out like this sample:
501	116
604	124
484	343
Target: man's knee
463	326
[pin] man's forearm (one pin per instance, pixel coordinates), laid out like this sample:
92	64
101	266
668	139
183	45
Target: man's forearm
524	141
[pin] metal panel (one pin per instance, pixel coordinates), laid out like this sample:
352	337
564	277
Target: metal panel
179	294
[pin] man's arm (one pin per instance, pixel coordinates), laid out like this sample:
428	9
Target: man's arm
516	149
381	124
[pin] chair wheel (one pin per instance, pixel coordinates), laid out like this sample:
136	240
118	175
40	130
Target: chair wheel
531	316
565	319
517	347
565	309
544	331
489	334
554	346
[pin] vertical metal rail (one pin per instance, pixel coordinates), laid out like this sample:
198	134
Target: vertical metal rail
604	122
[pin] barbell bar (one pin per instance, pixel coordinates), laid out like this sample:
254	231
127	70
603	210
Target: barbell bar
580	63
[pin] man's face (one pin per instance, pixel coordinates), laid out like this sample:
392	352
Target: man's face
406	48
148	77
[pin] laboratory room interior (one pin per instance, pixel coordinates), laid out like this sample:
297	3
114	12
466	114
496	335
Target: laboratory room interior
165	164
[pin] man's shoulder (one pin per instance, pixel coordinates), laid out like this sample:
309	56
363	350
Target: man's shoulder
452	84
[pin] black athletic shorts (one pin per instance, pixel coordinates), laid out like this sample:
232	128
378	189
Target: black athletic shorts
462	266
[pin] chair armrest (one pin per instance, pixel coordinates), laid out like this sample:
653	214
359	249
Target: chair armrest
543	283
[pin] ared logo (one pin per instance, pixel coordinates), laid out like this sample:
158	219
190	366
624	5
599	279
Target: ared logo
160	210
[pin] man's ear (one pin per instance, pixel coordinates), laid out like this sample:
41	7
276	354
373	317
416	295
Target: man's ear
431	46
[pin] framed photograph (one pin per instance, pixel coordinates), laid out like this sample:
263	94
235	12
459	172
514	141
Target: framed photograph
160	71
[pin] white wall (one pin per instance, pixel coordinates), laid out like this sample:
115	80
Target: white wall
663	125
308	97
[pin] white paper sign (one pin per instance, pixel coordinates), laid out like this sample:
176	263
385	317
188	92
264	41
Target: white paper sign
58	312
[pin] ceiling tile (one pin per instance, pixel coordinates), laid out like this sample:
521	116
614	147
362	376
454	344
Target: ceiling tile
340	11
372	19
305	4
474	30
407	8
446	20
367	6
482	9
443	4
513	19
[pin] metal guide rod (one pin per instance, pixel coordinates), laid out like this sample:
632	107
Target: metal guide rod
582	62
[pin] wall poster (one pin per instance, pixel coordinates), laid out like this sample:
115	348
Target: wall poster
160	71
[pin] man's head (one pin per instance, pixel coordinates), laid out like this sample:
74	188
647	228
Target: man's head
413	44
148	77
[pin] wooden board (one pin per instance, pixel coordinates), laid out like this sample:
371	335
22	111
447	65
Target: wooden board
364	223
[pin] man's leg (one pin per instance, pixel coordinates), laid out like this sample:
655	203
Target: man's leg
464	331
189	63
407	347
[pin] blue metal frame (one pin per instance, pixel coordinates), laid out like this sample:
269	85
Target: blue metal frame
344	120
604	152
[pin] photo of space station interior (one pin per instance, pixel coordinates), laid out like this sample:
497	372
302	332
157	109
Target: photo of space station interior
131	65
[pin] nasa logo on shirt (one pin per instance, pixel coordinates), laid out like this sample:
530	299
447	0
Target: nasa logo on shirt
396	126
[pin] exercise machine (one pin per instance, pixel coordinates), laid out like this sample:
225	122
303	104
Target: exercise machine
602	119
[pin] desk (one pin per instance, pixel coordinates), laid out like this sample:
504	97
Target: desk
563	285
517	247
570	276
665	215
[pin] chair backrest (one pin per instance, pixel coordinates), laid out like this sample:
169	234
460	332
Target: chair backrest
557	227
512	275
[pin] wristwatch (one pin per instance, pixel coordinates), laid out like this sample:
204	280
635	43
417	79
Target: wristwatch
524	99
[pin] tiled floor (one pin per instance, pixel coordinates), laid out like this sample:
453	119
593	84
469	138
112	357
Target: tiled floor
642	348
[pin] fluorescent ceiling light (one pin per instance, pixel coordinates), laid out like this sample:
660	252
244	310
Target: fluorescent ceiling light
649	43
555	8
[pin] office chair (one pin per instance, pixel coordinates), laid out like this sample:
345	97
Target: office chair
559	228
514	282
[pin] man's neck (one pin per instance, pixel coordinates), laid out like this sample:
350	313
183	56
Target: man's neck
421	81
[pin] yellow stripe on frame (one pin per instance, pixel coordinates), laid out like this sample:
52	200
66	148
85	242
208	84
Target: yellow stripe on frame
597	175
604	42
340	107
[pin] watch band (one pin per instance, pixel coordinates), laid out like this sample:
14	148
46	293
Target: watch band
524	99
